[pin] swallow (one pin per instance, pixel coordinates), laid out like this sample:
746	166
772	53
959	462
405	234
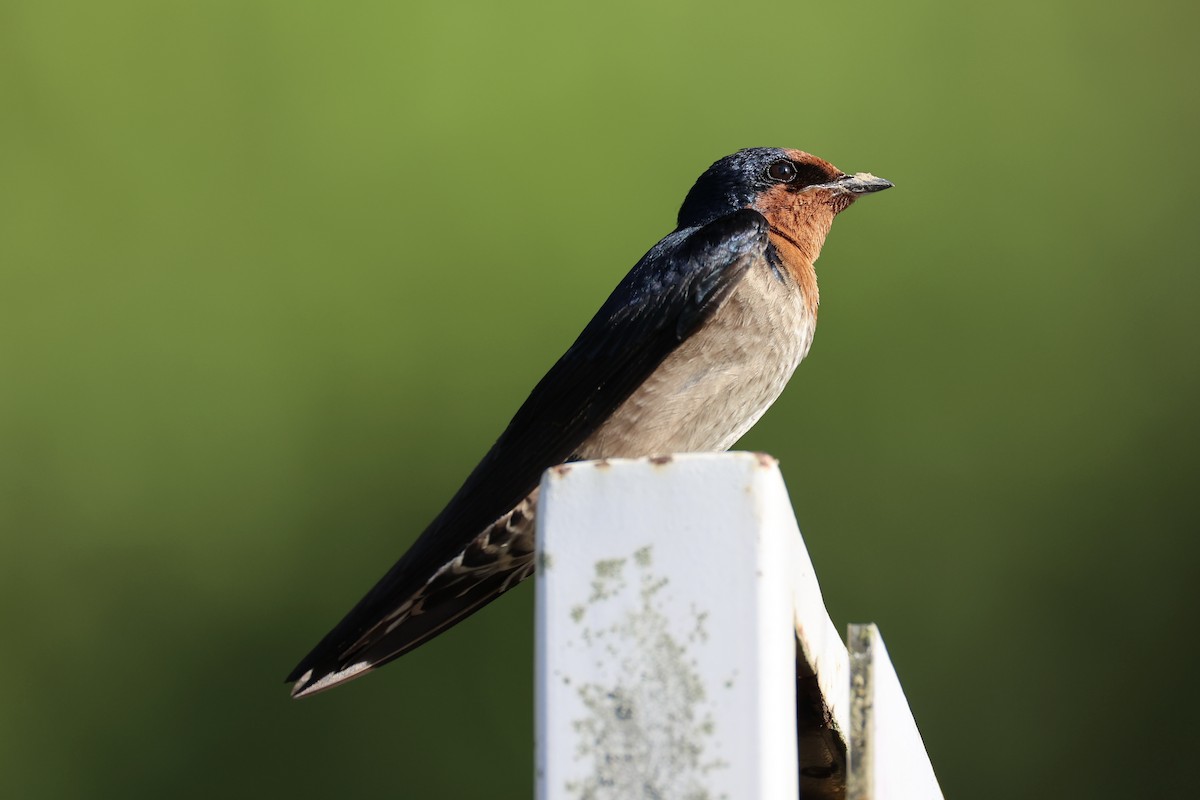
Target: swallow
688	352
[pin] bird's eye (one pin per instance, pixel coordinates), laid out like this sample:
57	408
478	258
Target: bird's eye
782	171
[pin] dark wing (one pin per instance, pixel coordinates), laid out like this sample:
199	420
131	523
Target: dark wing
671	291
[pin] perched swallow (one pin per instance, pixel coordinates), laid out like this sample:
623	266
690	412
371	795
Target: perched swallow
686	354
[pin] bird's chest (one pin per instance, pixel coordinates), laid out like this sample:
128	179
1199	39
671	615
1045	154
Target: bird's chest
718	382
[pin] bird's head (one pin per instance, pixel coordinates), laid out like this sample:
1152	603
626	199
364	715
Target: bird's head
794	190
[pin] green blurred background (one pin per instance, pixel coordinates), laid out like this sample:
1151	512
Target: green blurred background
275	274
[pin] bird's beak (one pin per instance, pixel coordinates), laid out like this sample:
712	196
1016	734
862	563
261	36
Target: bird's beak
856	184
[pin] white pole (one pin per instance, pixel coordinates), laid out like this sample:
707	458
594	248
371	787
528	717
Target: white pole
887	756
666	647
676	603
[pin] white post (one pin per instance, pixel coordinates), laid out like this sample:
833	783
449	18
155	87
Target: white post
666	655
887	757
676	608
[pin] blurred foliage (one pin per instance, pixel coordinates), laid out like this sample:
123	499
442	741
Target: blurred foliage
274	275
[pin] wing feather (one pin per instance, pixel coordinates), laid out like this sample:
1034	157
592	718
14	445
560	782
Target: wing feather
675	287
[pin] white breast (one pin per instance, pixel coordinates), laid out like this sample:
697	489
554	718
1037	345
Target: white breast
717	383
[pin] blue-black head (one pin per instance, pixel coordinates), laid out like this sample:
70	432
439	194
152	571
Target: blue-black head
739	180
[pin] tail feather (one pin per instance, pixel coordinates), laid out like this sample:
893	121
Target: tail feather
374	632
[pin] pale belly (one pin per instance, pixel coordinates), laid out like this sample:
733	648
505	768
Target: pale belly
716	385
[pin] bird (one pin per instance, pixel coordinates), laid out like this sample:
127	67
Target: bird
685	355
